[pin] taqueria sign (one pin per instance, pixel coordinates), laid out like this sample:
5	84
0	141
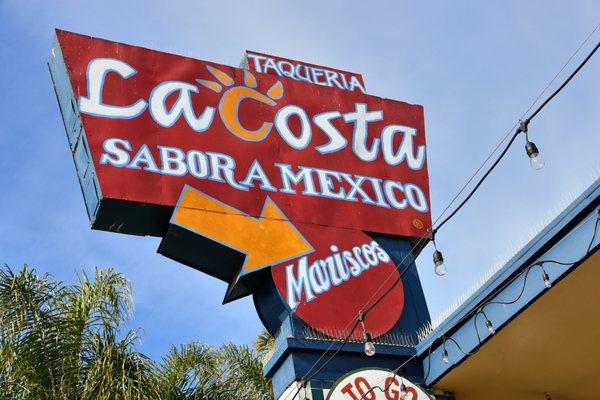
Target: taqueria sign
260	169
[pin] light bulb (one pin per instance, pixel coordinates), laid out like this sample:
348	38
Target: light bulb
445	358
489	326
369	345
536	161
438	260
440	269
547	282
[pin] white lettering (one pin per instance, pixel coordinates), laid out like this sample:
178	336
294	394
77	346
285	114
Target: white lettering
326	184
303	175
336	140
256	173
116	156
389	187
291	180
361	118
322	275
282	125
96	74
222	165
416	197
197	164
299	285
172	161
405	152
183	105
143	156
256	58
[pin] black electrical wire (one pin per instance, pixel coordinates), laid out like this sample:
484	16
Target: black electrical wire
493	166
500	157
540	263
462	189
520	293
561	87
467	198
480	182
335	353
519	130
364	313
303	381
480	310
526	273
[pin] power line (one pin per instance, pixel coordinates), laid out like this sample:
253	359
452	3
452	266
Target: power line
431	233
561	87
510	143
522	128
481	310
516	124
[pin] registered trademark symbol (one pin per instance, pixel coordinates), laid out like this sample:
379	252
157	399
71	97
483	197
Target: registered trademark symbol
417	223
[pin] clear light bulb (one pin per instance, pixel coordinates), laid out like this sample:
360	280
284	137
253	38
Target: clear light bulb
537	162
440	269
369	349
438	260
547	282
445	358
369	345
490	327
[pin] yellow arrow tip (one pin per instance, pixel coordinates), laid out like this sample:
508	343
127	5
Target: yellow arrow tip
276	241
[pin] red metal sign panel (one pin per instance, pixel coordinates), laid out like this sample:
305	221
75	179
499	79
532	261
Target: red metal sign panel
285	172
157	121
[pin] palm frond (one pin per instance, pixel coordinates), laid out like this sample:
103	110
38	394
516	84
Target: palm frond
264	344
243	372
189	372
61	342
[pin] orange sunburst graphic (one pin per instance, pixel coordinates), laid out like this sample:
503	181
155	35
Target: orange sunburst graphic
232	97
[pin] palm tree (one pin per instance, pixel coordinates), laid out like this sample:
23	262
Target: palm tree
264	344
197	371
60	342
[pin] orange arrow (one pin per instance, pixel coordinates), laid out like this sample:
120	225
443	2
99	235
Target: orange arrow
266	241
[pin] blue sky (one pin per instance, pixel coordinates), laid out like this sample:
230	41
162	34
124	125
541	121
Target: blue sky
475	66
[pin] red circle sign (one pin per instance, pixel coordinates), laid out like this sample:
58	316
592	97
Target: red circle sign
347	272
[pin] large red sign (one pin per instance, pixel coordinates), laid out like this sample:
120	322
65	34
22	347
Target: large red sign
286	172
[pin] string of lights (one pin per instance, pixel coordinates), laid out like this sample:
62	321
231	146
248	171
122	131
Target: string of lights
438	258
481	311
440	269
532	151
533	154
516	124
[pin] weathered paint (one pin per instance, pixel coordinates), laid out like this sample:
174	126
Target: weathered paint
240	143
287	173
